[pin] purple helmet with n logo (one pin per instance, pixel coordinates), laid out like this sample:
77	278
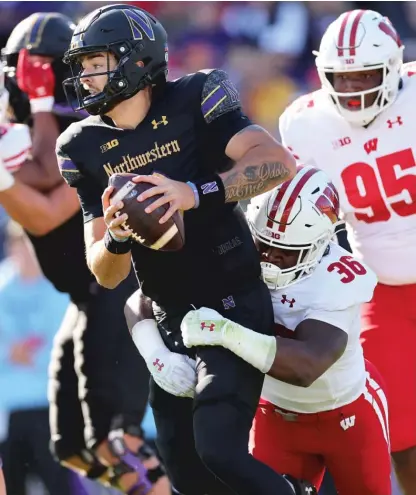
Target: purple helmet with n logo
132	35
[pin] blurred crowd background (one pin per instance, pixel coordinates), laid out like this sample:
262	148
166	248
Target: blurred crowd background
266	47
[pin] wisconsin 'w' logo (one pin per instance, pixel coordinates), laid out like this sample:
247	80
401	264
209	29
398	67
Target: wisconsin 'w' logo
139	24
347	423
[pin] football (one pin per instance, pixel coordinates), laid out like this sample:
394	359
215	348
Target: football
146	228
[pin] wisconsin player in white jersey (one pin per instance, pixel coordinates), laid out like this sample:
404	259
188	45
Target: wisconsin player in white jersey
15	139
363	122
322	404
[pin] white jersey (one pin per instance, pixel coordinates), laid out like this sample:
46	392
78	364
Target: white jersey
374	170
333	294
15	145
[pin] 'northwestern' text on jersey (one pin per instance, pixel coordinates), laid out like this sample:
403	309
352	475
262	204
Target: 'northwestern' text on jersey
184	137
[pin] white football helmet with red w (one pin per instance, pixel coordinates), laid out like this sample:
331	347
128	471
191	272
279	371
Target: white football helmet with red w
301	214
361	40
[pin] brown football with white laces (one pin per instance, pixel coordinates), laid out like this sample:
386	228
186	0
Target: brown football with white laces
146	228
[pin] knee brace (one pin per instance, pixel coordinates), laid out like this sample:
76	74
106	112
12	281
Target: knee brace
132	461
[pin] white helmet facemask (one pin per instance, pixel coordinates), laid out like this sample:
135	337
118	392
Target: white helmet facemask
361	40
308	258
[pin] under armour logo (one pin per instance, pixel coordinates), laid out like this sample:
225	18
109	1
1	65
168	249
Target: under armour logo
399	121
209	327
347	423
286	300
371	145
164	121
340	142
157	364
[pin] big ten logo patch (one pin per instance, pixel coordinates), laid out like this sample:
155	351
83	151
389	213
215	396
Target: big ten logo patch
108	146
341	142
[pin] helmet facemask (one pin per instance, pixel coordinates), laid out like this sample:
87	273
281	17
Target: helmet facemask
308	259
386	92
123	81
361	40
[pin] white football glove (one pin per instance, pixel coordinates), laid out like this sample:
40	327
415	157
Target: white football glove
15	145
208	327
173	372
203	326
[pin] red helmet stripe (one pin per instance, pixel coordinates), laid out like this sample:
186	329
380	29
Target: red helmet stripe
353	34
342	33
287	210
276	202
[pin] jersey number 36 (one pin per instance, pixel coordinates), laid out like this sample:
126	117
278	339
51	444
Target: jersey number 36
348	268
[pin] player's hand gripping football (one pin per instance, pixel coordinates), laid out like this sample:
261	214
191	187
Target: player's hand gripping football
112	217
35	77
204	326
178	194
173	372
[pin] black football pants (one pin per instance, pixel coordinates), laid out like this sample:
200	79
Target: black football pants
26	452
205	440
96	375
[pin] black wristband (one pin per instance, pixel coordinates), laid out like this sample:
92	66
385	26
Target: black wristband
211	192
116	247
